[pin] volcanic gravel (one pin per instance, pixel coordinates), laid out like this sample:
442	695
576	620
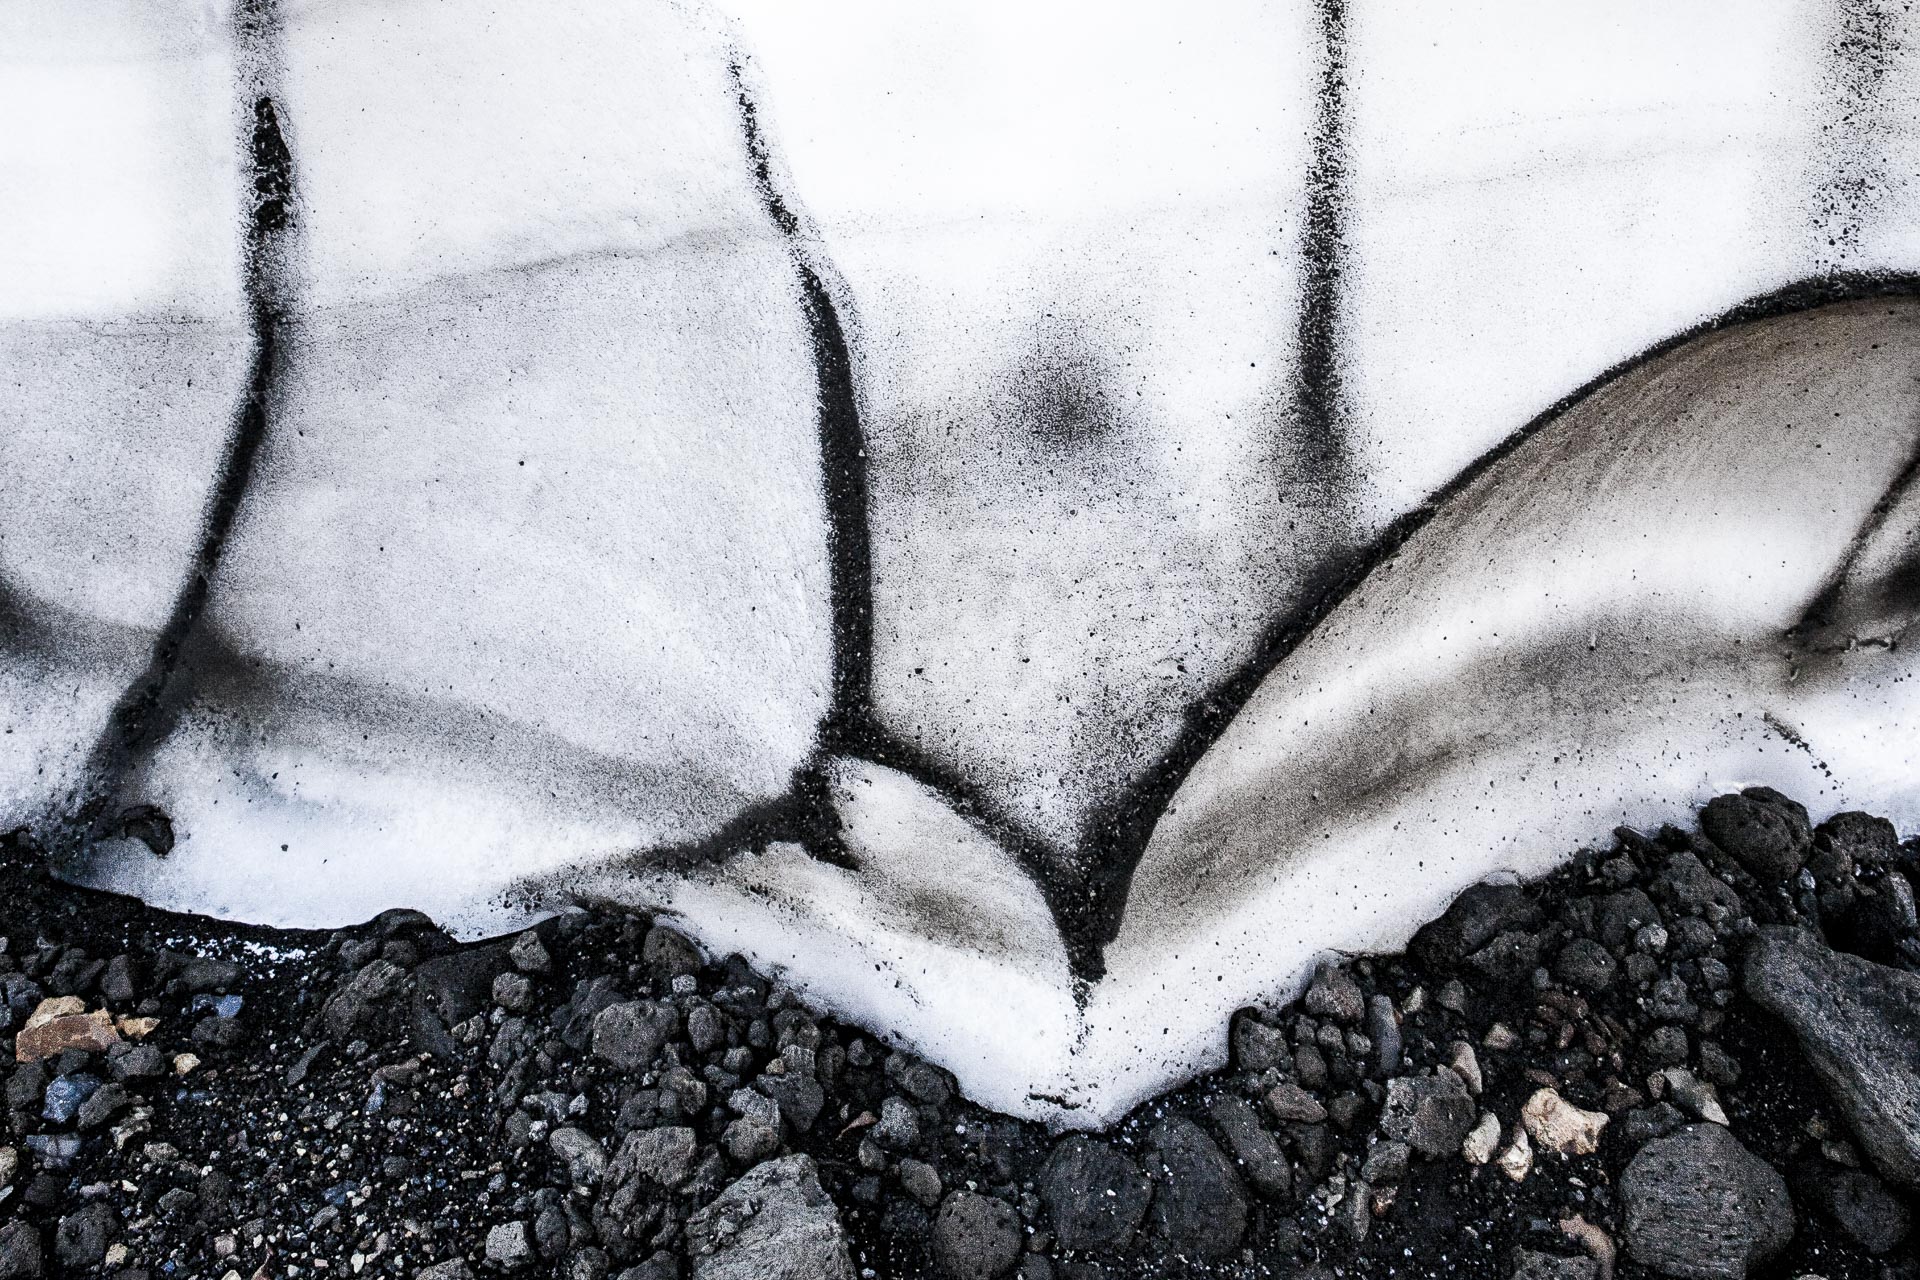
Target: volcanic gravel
1564	1080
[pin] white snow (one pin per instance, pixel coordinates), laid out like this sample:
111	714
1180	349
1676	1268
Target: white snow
1068	236
1541	192
531	567
121	355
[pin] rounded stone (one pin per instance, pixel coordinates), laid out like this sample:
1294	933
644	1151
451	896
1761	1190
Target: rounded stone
976	1237
1759	836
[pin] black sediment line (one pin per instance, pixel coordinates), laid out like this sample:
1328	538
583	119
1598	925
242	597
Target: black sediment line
843	451
1319	400
1116	835
132	725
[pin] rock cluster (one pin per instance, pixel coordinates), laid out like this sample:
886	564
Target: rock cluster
1689	1055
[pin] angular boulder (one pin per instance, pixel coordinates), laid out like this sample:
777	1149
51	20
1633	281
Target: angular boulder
1859	1025
1699	1206
776	1223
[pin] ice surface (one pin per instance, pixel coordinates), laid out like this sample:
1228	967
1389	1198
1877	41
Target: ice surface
531	565
121	356
1541	192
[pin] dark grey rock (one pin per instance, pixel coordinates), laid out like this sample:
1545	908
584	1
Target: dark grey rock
529	955
1508	960
513	992
670	952
20	1254
1619	917
1857	1022
26	1087
81	1239
1431	1114
1666	1046
1531	1265
1289	1102
1257	1151
976	1237
1345	1110
117	981
108	1101
899	1125
591	996
921	1181
1310	1067
1095	1195
204	973
1760	835
510	1246
1256	1046
1859	1204
1656	1121
921	1081
1685	882
1670	1001
580	1152
1036	1267
1717	1065
1585	965
799	1097
1473	919
1313	1144
1860	838
451	1269
455	987
218	1032
1386	1162
750	1141
376	980
1880	920
551	1234
1792	810
775	1223
1383	1031
1334	994
1199	1208
706	1028
664	1156
1699	1206
631	1034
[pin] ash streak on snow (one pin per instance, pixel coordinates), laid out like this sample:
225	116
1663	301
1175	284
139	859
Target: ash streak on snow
134	723
843	454
1861	105
1317	406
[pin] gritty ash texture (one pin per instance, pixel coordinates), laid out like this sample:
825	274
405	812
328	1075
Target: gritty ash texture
1558	1081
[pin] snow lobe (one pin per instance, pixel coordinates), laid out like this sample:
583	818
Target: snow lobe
530	565
1603	622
